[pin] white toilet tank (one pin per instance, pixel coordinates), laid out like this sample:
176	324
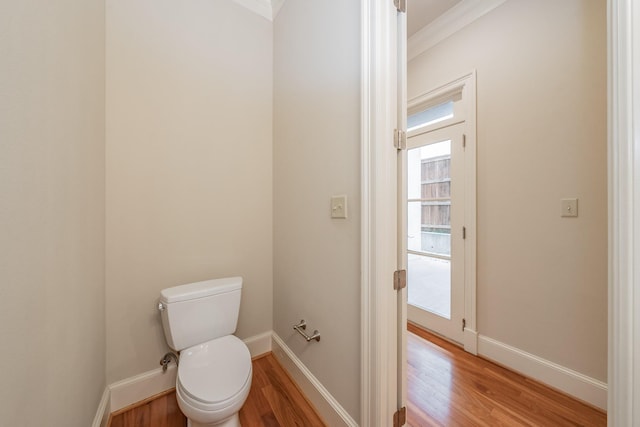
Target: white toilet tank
199	312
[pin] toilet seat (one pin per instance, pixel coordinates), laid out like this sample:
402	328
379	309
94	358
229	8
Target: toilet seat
215	375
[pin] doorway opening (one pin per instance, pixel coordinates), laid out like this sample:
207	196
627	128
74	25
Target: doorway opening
439	175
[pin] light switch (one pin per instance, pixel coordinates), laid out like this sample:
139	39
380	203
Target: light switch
569	207
339	207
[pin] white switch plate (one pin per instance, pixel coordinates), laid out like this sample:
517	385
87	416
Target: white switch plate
569	207
339	207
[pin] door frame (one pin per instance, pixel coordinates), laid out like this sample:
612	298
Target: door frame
379	308
465	87
379	393
624	212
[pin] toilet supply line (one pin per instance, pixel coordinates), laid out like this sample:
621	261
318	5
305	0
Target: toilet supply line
166	359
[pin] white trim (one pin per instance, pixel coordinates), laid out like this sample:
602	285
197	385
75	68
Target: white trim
559	377
261	7
453	20
276	5
444	93
470	341
471	214
624	212
134	389
104	409
266	8
379	308
402	296
259	344
327	406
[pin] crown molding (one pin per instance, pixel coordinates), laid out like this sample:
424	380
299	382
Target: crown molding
266	8
450	22
276	5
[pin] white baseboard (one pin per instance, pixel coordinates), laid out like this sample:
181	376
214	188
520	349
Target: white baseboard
470	341
259	344
328	407
135	389
104	409
564	379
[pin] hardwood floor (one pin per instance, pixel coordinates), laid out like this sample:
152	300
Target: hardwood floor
449	387
274	401
446	387
157	411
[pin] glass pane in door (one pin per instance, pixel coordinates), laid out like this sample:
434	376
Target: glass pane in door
429	284
429	227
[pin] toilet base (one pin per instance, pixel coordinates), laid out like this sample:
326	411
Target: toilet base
232	421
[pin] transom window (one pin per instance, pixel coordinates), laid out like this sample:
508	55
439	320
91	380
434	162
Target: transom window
430	116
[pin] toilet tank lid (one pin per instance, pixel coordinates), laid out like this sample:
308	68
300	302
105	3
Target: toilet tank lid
200	289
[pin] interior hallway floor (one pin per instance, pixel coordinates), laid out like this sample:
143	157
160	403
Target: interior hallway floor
450	387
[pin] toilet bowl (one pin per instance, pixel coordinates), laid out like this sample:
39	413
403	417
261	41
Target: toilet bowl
213	381
214	371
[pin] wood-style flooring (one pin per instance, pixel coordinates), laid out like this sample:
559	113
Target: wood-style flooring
449	387
446	387
274	401
157	411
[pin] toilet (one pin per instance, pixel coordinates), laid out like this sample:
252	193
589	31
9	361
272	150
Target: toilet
214	371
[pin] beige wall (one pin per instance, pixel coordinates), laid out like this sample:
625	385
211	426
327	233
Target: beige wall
51	212
189	161
317	155
541	100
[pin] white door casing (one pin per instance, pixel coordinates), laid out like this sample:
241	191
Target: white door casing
401	126
379	310
623	30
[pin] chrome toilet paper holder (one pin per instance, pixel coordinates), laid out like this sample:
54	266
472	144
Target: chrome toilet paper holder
301	329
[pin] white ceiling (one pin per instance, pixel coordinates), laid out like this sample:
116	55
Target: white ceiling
421	13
